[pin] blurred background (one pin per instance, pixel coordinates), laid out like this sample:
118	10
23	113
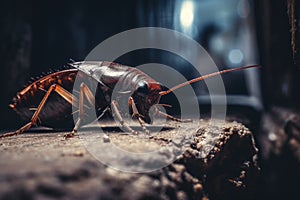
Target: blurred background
40	35
36	36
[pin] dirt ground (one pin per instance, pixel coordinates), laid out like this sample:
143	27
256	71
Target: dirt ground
181	161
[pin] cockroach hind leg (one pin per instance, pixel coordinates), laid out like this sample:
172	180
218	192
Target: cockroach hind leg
70	135
59	90
34	118
17	132
84	92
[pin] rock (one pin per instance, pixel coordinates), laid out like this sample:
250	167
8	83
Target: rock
195	162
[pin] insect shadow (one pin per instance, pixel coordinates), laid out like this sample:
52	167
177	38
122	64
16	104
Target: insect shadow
93	128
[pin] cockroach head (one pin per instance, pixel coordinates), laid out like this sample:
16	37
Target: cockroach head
145	96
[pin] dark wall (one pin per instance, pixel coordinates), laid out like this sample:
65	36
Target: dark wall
38	35
15	52
281	66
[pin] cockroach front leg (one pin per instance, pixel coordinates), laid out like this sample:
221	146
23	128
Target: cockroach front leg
137	115
158	112
120	118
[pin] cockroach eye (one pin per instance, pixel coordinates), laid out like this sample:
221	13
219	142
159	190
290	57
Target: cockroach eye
163	87
142	89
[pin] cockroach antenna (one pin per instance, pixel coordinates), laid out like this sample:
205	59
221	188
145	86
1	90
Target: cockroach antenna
162	93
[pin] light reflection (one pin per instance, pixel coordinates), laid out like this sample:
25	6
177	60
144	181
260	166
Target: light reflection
187	14
243	8
217	44
236	56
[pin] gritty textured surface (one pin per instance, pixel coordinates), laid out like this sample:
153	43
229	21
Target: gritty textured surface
210	162
280	149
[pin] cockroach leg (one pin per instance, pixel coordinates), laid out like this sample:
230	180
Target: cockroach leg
88	93
84	92
66	95
120	118
19	131
158	112
137	115
147	90
62	92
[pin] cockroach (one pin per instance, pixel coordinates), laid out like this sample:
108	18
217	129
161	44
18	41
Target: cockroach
48	100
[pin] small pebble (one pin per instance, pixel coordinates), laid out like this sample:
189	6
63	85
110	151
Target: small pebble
106	138
47	158
199	146
78	154
198	187
181	195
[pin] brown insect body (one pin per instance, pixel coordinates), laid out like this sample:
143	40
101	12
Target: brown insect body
48	101
57	112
